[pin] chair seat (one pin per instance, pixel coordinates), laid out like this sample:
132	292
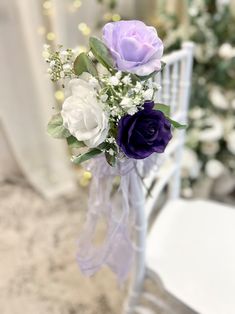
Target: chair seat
191	246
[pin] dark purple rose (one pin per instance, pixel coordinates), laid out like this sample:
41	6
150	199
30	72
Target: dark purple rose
147	131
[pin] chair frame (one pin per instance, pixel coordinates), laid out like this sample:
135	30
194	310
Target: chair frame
178	61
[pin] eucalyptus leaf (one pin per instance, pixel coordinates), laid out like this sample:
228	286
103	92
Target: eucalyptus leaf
103	146
74	143
163	108
83	64
146	77
166	110
176	124
163	64
111	160
112	4
55	127
86	156
101	52
134	77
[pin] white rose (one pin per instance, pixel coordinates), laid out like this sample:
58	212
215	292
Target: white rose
196	113
210	148
226	51
190	164
83	114
214	130
218	99
231	142
214	169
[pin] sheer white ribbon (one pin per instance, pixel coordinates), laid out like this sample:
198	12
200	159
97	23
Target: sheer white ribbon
116	251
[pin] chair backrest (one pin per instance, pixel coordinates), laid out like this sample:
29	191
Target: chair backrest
175	90
175	81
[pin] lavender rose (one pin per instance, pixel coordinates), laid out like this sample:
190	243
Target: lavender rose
144	133
135	47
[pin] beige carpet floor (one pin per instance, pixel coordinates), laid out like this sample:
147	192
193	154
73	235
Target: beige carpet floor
38	269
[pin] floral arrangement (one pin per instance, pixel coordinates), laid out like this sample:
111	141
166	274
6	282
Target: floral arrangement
110	106
110	112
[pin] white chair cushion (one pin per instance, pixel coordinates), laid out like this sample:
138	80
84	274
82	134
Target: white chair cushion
191	246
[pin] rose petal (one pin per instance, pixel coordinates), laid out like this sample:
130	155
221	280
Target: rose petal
135	47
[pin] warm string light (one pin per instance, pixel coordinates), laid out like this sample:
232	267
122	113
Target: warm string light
47	5
50	36
84	29
116	17
85	178
48	11
74	6
59	96
77	3
81	49
48	8
111	17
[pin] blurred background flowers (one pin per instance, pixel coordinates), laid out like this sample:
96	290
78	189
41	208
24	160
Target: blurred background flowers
209	163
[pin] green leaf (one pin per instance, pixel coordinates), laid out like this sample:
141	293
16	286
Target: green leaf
111	160
163	64
55	127
163	108
83	64
74	143
146	77
134	77
84	157
166	110
101	52
176	124
103	146
112	4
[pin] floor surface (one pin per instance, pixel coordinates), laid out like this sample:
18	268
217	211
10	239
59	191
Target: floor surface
38	269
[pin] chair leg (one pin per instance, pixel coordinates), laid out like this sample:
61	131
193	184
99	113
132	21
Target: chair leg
139	246
153	276
132	302
136	285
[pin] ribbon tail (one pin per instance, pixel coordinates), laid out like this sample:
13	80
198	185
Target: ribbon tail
117	242
116	250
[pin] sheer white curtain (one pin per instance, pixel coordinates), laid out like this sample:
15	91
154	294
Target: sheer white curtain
26	93
26	101
91	12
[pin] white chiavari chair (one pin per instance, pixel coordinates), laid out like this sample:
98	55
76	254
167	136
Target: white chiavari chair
189	250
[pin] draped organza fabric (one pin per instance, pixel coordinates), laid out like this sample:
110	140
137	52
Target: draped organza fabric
116	250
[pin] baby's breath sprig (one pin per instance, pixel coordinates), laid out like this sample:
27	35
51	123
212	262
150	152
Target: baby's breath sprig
121	94
60	63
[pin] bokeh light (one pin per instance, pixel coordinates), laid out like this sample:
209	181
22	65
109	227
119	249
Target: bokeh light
84	29
59	95
51	36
